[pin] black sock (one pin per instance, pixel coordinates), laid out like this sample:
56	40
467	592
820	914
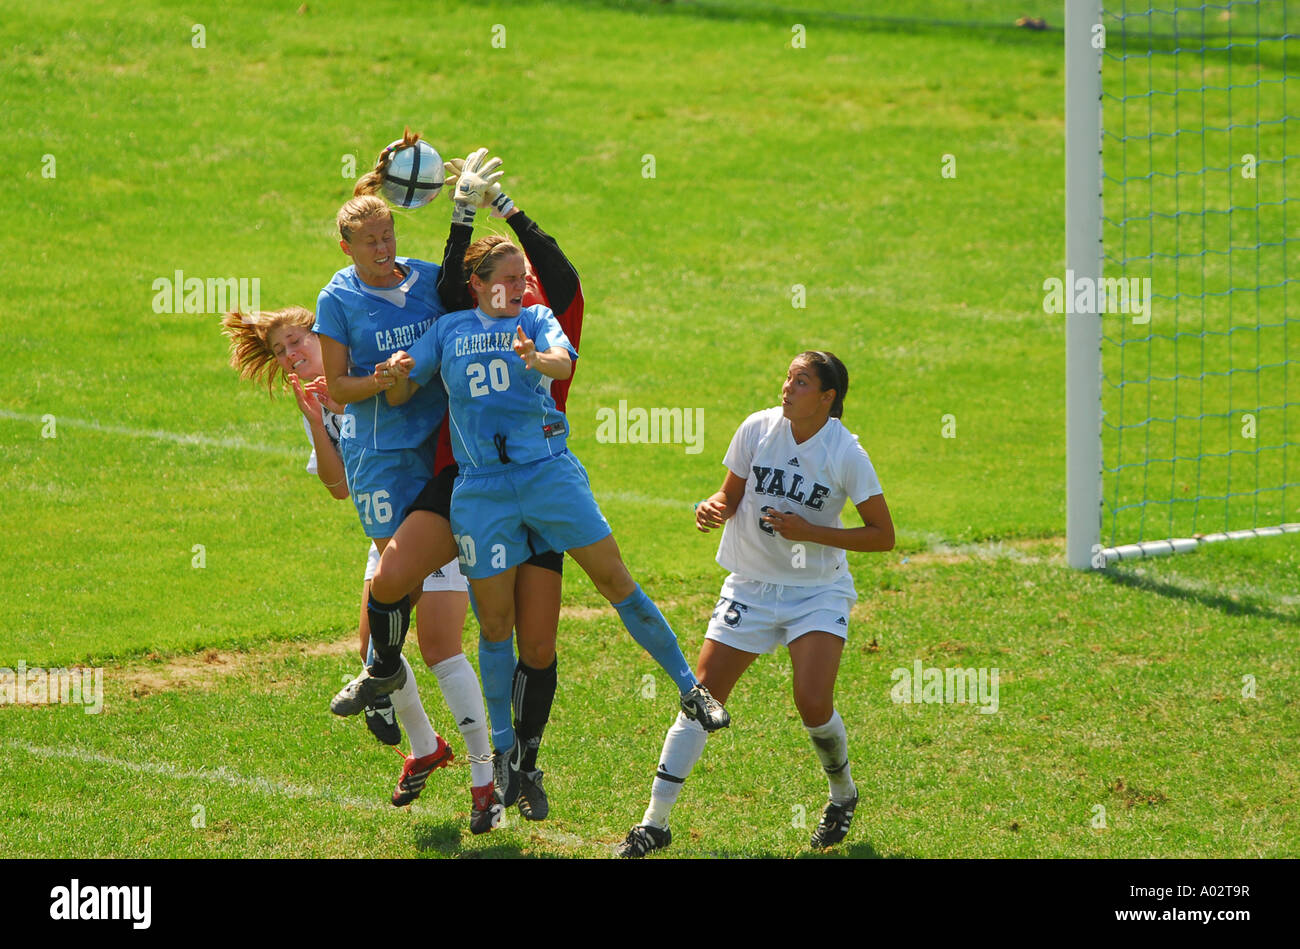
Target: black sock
388	625
532	694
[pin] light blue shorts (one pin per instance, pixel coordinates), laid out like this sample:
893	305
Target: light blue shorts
383	484
501	516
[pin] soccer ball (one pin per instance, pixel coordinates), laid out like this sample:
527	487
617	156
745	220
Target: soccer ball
414	176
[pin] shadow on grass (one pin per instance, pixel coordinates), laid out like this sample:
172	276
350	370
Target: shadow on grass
743	11
1216	42
444	838
1222	602
854	851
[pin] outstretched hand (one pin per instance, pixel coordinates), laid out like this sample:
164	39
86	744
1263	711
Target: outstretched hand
308	403
317	387
526	349
475	179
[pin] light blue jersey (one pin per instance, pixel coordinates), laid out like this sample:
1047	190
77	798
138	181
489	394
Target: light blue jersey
501	412
374	323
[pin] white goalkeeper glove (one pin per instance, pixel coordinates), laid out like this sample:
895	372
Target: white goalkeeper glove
476	183
477	175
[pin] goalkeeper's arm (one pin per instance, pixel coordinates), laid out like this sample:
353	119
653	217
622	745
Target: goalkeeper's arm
558	277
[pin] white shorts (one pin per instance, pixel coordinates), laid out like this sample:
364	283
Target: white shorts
446	578
756	617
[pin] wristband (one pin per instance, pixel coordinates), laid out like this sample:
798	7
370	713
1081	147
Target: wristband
501	205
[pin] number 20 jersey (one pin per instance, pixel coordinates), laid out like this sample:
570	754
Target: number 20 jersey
498	409
812	479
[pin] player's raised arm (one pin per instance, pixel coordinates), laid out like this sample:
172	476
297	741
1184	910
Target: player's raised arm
329	464
556	274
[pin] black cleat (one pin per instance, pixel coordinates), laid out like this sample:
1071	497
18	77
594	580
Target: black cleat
505	773
834	825
382	721
700	705
532	799
364	689
643	839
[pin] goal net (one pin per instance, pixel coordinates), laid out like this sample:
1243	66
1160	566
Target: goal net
1183	226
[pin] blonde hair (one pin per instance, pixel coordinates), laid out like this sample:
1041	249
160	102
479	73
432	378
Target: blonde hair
369	182
357	211
250	348
481	257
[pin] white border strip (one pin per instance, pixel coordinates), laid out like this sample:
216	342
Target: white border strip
1182	545
179	438
233	779
220	775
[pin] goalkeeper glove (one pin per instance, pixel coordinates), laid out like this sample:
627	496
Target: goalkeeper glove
477	187
477	176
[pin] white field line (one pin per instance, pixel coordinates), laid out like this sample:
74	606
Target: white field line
221	775
205	441
233	779
179	438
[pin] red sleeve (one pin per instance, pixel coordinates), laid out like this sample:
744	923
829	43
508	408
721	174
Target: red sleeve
570	321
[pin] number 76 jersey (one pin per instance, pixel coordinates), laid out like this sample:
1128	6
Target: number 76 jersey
499	412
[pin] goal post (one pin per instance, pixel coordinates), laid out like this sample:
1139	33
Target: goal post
1083	256
1182	334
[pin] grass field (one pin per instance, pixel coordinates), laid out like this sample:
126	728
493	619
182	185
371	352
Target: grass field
1163	692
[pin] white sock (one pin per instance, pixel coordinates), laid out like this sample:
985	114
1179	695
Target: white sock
683	746
464	697
410	712
831	742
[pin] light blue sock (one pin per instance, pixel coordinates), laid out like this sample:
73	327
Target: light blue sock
496	665
652	632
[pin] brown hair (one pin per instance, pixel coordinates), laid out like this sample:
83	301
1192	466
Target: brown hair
481	257
831	373
369	182
250	349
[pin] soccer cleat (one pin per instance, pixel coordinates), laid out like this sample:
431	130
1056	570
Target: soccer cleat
505	773
643	839
834	825
382	721
705	709
485	813
532	799
364	689
415	771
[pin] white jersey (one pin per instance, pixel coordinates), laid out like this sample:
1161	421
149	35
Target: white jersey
331	429
813	480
